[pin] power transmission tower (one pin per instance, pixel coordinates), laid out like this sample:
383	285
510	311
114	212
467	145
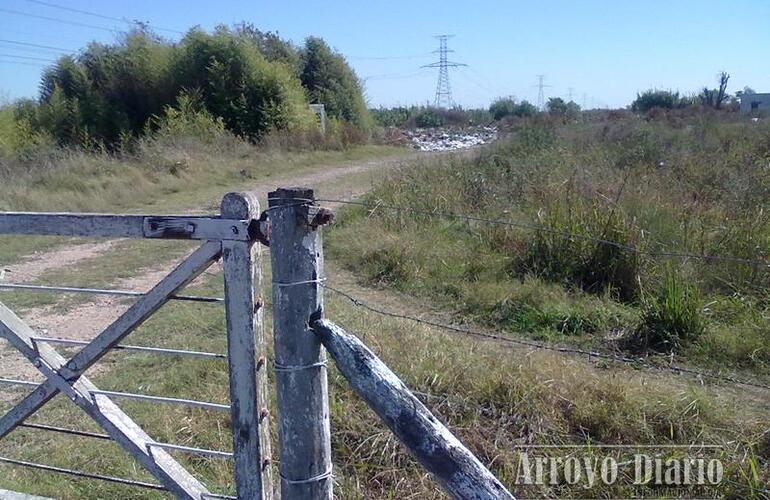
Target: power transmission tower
443	88
570	91
540	94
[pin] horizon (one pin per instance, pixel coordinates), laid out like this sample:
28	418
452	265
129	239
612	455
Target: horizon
601	53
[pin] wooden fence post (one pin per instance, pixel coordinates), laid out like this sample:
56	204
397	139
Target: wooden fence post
246	349
296	254
453	466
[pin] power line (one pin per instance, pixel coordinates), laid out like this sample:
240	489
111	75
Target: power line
35	45
57	20
102	16
443	88
22	63
388	58
394	76
27	57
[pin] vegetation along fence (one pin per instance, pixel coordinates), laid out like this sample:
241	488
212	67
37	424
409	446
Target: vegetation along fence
300	332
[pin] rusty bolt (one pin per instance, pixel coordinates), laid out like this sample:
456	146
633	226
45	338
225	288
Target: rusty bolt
321	217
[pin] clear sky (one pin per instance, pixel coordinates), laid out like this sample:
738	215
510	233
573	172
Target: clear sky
605	50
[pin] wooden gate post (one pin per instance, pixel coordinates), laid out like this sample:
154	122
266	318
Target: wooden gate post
296	254
246	349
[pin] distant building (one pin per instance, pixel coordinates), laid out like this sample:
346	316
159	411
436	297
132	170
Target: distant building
755	103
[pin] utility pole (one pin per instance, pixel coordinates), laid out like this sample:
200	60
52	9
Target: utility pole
443	88
540	94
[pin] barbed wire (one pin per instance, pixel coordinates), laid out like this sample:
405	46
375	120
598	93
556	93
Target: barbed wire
545	229
510	341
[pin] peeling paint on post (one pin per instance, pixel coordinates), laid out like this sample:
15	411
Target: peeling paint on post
245	344
450	463
301	381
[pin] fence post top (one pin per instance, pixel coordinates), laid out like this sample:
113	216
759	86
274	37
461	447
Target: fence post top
286	195
241	206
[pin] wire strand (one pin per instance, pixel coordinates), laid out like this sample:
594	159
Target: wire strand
506	340
87	475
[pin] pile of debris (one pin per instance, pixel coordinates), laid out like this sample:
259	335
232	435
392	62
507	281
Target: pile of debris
445	139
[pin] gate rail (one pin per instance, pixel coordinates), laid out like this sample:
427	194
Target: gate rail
301	335
231	237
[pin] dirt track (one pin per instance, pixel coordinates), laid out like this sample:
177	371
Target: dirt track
87	319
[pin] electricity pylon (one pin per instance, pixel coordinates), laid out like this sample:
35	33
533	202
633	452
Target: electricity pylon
443	88
540	94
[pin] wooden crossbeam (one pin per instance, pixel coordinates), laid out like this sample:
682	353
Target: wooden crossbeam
184	273
100	408
178	227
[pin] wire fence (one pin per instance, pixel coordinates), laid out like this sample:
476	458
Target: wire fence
499	338
510	341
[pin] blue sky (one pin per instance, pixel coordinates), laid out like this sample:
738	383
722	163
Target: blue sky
604	50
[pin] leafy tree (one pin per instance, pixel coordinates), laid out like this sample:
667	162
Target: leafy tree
330	81
507	106
238	84
272	46
665	99
557	106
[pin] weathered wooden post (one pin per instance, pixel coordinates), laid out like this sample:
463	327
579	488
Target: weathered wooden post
246	349
450	463
296	254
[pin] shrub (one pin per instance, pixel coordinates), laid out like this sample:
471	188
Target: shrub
671	319
665	99
189	118
507	106
250	79
236	83
428	118
590	265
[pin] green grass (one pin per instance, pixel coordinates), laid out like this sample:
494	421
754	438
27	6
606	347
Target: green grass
495	398
162	178
696	187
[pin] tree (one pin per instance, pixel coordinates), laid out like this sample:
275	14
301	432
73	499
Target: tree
507	106
715	98
557	106
665	99
746	91
330	81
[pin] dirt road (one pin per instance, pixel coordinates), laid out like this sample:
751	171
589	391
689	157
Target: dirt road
85	320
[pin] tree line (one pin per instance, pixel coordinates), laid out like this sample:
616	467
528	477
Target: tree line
253	81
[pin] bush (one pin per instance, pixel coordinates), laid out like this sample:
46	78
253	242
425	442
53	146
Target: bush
250	79
671	319
428	118
507	106
189	118
664	99
251	94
